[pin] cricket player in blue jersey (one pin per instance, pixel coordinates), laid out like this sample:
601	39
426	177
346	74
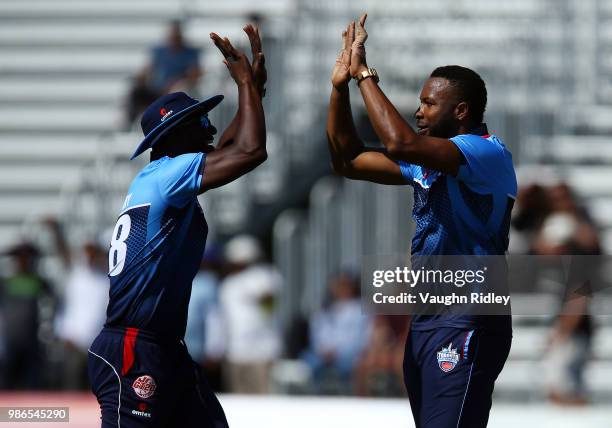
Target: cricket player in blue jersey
464	189
139	367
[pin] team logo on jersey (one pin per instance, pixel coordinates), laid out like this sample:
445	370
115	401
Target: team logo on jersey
144	386
426	178
448	358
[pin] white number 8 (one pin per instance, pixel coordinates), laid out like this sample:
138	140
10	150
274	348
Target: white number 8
118	247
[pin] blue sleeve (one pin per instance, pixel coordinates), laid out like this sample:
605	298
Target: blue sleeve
485	163
407	170
181	177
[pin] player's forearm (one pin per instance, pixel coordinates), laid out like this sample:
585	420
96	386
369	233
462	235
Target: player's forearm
343	141
250	136
394	132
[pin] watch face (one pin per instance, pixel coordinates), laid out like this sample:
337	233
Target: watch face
370	72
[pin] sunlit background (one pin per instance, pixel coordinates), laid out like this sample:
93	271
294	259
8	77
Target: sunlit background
75	73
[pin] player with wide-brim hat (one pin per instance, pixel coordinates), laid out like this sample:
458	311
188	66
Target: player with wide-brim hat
139	366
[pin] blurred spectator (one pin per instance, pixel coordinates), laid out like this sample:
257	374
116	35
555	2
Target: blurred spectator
338	335
21	293
205	334
248	301
379	372
173	66
568	230
83	308
530	211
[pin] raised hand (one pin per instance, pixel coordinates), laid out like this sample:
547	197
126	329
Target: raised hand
358	36
340	73
236	61
259	61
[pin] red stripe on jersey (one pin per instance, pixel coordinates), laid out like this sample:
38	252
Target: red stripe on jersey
486	136
129	342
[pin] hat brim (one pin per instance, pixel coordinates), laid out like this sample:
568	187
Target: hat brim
160	130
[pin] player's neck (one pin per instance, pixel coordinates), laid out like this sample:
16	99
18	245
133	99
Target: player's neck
473	128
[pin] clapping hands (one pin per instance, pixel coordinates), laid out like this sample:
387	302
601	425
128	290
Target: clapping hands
238	64
352	57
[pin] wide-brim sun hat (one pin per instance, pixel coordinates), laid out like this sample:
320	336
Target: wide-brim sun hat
168	111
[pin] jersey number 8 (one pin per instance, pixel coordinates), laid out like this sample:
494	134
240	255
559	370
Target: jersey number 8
118	247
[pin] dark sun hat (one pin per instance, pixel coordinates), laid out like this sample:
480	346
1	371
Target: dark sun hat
168	111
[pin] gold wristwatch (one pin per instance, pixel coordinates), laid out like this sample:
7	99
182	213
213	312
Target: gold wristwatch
369	72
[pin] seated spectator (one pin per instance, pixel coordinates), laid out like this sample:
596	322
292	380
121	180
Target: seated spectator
173	66
338	335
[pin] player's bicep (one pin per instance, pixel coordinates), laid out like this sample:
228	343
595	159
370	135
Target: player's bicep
432	153
226	164
376	167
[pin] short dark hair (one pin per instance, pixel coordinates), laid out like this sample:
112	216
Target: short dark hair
469	85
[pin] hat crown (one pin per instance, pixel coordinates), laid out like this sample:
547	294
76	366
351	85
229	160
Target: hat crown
168	111
164	108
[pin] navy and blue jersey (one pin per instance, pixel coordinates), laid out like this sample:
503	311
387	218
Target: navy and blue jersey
464	215
156	247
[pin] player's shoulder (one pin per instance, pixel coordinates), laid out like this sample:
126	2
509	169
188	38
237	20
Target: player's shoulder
182	159
487	146
168	164
485	140
487	163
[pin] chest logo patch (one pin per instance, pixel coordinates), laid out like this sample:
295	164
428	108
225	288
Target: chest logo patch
447	358
427	177
144	386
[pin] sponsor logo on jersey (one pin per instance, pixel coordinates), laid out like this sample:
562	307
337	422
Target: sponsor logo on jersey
448	358
165	113
140	413
144	386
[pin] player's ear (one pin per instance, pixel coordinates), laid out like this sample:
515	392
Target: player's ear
462	110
